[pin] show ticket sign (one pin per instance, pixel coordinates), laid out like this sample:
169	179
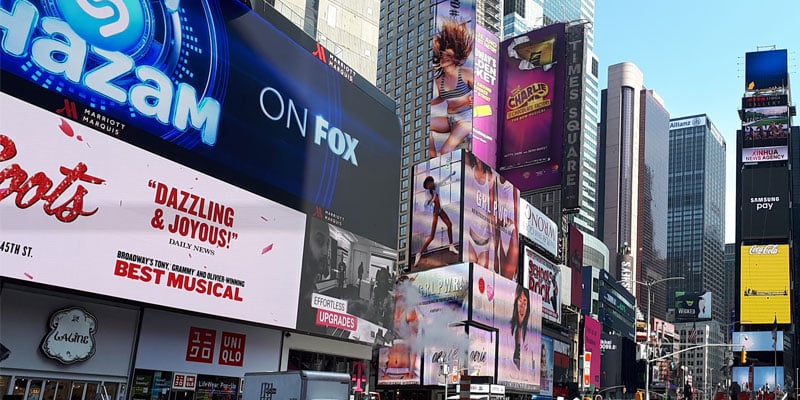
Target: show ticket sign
85	211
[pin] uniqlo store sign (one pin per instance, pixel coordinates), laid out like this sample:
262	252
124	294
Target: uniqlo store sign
202	343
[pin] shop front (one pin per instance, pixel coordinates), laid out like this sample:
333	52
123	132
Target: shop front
64	347
186	357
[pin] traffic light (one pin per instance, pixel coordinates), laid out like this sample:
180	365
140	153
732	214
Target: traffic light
744	356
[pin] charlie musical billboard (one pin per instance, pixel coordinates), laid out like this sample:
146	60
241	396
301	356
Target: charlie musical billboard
531	148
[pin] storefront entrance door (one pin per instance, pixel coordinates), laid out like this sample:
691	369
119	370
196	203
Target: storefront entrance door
57	389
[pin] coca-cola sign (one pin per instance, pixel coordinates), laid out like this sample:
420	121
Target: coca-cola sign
768	249
71	337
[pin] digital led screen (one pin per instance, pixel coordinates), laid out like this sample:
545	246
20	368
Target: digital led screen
692	306
765	291
191	82
766	70
532	142
491	209
765	127
518	319
436	212
757	341
764	203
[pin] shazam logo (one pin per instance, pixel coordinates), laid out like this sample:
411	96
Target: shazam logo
115	25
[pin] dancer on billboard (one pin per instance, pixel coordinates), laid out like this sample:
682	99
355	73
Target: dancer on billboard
438	212
453	83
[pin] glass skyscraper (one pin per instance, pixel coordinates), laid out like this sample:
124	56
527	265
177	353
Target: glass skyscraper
696	231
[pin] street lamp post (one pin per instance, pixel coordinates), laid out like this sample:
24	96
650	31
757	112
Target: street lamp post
647	339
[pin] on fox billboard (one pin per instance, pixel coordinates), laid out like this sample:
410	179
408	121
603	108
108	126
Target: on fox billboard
531	148
186	80
765	203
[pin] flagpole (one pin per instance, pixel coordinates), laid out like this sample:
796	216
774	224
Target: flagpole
775	351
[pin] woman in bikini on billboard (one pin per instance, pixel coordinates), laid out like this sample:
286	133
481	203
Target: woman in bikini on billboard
453	83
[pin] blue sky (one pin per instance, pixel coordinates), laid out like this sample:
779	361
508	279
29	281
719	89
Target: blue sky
692	54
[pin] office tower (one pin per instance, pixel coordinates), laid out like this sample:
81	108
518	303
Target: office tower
634	168
347	28
521	16
696	230
765	243
696	216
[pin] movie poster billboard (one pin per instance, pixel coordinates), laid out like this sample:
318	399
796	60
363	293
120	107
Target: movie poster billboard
192	84
454	74
485	96
518	319
347	282
436	212
591	344
543	277
491	209
538	227
765	70
547	366
427	304
146	229
531	148
692	306
765	212
765	288
765	127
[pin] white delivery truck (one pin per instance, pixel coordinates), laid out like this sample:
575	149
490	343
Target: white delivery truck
296	385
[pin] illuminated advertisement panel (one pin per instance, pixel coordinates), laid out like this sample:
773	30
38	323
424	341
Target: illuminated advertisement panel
611	366
427	303
766	70
491	209
482	351
765	203
757	341
483	295
547	365
543	277
591	344
764	154
518	318
574	119
146	229
765	287
765	127
346	285
538	227
191	82
485	96
531	147
692	306
575	262
436	212
454	78
761	376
